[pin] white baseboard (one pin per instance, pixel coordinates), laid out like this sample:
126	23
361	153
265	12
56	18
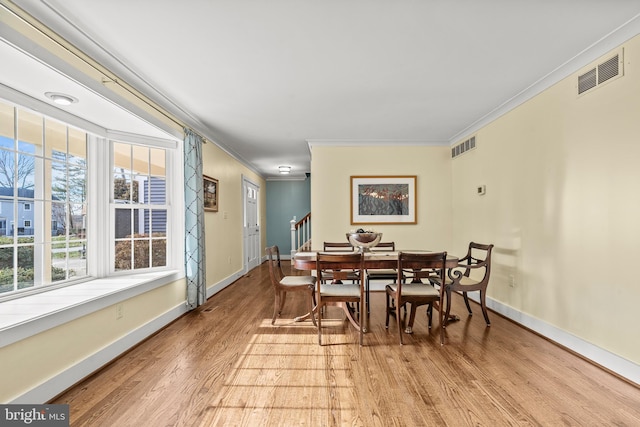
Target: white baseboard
623	367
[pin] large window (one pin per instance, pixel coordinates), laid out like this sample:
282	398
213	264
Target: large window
139	206
52	186
43	176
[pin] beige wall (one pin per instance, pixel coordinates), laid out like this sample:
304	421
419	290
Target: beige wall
332	167
37	359
561	174
224	232
561	204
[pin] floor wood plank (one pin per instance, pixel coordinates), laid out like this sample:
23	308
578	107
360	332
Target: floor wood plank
225	365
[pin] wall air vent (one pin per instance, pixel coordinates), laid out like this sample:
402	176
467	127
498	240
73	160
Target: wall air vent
463	147
601	73
587	81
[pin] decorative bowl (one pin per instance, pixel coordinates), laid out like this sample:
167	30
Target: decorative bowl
364	240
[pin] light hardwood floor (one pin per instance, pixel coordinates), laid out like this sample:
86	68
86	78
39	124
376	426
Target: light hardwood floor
225	365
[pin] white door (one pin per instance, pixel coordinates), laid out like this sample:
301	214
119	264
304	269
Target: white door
251	225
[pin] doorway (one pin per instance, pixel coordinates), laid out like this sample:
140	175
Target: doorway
251	224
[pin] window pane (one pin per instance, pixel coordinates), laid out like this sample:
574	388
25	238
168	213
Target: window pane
124	189
121	158
141	183
77	147
25	266
159	255
123	223
58	181
141	253
7	173
6	266
159	222
123	255
58	219
140	160
29	132
77	184
158	162
7	136
76	220
55	135
158	191
26	176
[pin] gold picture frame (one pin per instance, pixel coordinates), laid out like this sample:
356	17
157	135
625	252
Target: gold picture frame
211	190
383	199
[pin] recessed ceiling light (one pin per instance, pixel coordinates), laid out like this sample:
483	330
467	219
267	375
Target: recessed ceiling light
284	169
61	98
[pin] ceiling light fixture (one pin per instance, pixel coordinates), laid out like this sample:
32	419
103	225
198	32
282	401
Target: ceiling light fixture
61	98
284	169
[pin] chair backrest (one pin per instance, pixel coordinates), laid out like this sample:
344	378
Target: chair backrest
275	268
340	265
421	267
478	256
338	247
384	247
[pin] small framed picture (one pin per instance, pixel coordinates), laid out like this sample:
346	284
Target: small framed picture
210	186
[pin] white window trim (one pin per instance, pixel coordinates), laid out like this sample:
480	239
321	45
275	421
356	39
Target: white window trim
25	315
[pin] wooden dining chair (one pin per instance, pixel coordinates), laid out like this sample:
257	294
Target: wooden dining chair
340	266
339	247
378	274
425	268
283	283
472	274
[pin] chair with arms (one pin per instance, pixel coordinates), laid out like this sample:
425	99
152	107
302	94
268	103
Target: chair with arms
340	266
423	268
472	274
283	283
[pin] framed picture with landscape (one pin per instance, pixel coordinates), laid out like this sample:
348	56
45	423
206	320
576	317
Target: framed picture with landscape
383	199
210	186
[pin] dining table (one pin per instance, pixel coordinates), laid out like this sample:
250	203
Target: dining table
373	260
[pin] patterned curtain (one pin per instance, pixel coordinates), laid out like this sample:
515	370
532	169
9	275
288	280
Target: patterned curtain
194	220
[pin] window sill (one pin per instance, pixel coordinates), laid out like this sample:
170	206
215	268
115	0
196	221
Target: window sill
23	317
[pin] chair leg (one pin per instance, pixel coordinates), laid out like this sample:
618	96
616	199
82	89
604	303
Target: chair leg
466	301
362	315
448	309
400	323
276	307
430	314
412	318
319	325
386	319
483	304
312	303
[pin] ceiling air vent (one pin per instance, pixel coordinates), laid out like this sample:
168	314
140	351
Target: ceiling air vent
601	73
463	147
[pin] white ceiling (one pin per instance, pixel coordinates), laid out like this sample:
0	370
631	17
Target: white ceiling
261	78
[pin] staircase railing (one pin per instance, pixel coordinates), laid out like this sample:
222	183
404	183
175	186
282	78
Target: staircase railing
301	234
